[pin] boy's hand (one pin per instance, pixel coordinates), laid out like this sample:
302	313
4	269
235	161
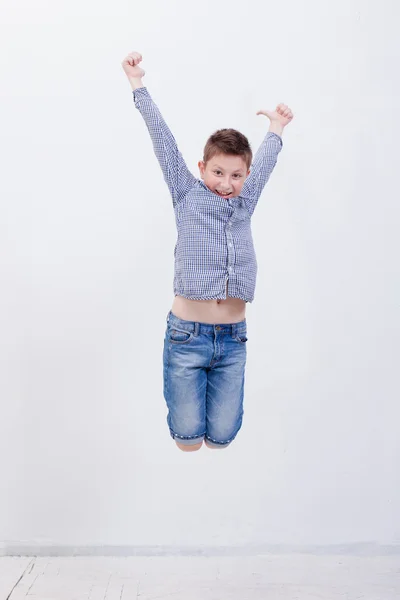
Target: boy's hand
282	115
131	68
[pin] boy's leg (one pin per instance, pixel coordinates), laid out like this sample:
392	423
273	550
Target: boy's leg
185	383
189	448
225	391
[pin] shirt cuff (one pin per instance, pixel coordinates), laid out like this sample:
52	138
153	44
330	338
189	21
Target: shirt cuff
140	93
275	135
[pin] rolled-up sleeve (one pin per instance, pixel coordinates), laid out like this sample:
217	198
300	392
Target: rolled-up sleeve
176	174
261	169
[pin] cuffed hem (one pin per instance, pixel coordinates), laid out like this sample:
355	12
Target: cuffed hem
218	444
189	440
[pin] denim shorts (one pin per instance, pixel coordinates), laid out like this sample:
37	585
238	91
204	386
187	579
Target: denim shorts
204	367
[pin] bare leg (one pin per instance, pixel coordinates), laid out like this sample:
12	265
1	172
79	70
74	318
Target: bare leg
189	448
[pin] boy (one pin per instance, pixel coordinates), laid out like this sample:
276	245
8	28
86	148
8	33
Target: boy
215	270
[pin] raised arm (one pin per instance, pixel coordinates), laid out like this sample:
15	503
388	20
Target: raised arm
266	156
176	174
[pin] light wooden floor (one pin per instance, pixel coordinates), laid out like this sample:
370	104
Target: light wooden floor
288	577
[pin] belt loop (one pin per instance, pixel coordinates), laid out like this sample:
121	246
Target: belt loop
234	328
196	328
169	312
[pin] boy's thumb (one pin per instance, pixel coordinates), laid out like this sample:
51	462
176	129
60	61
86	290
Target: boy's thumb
266	113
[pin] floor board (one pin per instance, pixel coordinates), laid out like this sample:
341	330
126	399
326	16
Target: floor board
285	577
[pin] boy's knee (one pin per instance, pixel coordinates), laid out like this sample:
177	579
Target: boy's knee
187	448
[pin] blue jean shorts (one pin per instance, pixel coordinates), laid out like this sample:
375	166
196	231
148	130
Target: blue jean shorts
204	367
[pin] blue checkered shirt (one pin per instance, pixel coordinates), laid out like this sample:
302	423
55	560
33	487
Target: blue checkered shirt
214	245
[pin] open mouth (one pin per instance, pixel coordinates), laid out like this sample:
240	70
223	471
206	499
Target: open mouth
223	195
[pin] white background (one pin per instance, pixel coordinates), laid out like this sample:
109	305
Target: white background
86	264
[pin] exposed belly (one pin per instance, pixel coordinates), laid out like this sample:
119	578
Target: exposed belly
231	310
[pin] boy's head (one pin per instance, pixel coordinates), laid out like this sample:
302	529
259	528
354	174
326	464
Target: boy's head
226	162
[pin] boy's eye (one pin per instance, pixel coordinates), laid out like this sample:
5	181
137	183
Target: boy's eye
236	175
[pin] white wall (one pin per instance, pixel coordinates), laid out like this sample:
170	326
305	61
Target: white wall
86	249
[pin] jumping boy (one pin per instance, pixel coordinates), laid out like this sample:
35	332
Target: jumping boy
215	270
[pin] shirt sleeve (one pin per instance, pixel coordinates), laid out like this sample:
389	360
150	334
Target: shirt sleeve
261	169
176	174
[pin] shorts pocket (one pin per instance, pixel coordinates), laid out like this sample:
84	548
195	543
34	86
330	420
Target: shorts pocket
242	338
179	336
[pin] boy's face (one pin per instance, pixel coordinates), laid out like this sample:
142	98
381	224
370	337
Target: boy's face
224	174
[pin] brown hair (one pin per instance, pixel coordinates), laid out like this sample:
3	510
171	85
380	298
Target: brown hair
228	141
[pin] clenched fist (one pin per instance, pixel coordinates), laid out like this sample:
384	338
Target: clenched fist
130	66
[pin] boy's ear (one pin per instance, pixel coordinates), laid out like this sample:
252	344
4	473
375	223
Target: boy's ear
201	166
